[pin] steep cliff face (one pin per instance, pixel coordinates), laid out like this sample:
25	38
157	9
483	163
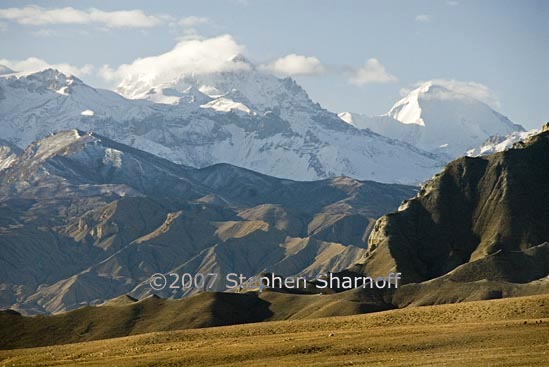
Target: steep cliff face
477	214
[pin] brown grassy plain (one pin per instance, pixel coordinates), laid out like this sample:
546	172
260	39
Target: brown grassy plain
506	332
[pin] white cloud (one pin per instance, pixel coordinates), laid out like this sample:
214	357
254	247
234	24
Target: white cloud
188	26
452	3
423	18
197	56
193	21
292	65
107	72
33	64
37	16
468	88
372	72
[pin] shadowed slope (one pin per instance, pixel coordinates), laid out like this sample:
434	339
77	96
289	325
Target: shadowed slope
493	209
125	316
84	219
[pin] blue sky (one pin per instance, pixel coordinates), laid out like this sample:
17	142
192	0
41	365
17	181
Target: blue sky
501	47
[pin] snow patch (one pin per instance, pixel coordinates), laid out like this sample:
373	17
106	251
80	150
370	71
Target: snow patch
346	117
63	91
87	113
227	105
113	157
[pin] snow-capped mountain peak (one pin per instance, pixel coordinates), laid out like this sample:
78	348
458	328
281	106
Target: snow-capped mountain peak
180	78
259	122
438	119
242	61
408	109
239	81
47	79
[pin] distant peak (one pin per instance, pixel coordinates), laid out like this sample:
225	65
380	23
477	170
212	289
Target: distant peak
46	79
4	70
51	73
422	88
47	72
240	59
409	110
429	88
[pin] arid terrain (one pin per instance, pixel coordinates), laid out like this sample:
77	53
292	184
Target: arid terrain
274	183
506	332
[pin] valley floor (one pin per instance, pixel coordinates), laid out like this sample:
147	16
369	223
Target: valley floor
506	332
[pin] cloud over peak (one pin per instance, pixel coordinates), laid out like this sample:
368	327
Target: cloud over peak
33	64
372	72
194	56
472	89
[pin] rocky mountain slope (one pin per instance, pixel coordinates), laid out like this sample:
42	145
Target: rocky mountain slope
84	219
243	117
437	119
475	230
499	143
8	154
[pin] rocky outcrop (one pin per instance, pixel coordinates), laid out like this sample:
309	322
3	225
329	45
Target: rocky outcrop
480	218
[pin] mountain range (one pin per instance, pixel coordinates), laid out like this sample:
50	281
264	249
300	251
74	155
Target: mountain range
211	173
476	231
258	122
84	219
252	119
